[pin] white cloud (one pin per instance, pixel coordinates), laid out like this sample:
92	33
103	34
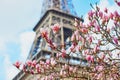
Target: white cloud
26	40
10	70
111	8
2	45
15	17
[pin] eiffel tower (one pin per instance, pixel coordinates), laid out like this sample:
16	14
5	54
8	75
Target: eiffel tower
53	11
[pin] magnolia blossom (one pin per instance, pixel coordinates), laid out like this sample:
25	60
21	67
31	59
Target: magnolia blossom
29	62
75	70
97	28
106	10
111	15
96	49
72	48
63	53
47	61
91	13
66	66
44	32
99	68
71	68
55	28
32	71
100	14
17	64
42	63
89	58
99	76
115	40
53	62
116	14
38	68
33	63
90	39
73	37
118	2
84	30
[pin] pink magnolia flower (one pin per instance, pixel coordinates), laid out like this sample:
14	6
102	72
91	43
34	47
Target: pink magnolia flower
115	22
46	77
98	43
115	40
58	55
29	62
100	14
75	70
32	71
92	23
66	66
17	64
97	28
76	34
77	48
54	45
47	61
118	3
99	76
77	37
61	73
63	53
111	16
55	28
42	63
87	51
72	48
51	43
99	68
84	30
33	63
96	49
24	68
89	58
65	73
116	14
53	62
73	37
106	10
38	68
90	39
44	32
71	68
51	77
105	18
90	13
102	56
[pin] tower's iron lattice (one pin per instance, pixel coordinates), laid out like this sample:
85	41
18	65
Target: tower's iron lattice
62	5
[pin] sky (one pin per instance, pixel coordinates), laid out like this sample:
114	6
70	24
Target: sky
17	20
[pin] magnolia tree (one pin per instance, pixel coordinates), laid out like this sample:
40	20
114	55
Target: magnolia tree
97	42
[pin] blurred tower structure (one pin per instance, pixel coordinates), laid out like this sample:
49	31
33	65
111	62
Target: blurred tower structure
53	11
65	6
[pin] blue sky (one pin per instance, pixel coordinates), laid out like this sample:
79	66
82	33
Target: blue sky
17	19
